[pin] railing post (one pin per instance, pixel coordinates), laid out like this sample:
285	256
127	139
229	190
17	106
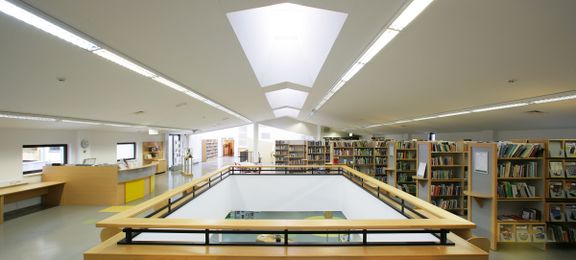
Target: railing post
443	236
402	206
207	236
364	237
169	205
378	191
128	232
209	182
194	191
285	237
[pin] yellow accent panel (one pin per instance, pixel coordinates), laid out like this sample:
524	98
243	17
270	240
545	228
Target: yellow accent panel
134	190
152	183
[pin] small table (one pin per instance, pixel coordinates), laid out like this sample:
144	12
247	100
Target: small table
51	192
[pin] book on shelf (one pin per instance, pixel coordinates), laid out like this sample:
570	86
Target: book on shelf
559	233
556	213
570	149
513	150
570	210
556	190
515	190
570	189
531	214
555	149
522	233
570	168
538	233
556	169
507	233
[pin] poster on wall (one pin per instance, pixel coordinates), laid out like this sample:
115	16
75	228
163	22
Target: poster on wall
481	162
421	170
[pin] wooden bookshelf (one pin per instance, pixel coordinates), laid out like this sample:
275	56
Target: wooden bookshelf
405	166
560	191
154	152
380	161
342	152
315	152
510	178
443	183
363	156
209	149
281	152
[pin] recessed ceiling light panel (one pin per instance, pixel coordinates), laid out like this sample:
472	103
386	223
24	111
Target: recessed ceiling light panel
286	42
286	98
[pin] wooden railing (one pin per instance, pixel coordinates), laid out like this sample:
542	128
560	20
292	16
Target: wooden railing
436	218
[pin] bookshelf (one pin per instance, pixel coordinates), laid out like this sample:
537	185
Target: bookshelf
154	152
405	166
281	152
209	149
342	152
363	156
444	175
296	152
560	209
381	161
506	192
315	152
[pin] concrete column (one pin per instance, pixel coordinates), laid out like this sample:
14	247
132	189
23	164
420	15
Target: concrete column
255	142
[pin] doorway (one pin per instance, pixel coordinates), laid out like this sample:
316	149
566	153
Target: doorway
228	147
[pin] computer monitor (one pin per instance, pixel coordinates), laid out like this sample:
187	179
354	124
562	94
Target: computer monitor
89	161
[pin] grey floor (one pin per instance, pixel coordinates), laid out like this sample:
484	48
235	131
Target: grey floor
65	232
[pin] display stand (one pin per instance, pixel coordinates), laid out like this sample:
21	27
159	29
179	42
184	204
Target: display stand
187	163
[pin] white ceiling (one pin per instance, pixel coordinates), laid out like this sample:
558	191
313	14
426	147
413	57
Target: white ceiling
456	54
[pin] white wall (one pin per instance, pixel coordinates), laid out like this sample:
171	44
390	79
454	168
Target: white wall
103	144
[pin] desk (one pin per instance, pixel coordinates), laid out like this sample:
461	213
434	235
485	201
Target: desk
102	185
51	193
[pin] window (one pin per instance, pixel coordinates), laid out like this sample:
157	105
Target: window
125	151
35	157
432	136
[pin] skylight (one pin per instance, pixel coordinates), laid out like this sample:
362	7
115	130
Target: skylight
286	111
286	98
286	42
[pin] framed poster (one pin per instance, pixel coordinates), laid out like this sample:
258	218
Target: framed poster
481	162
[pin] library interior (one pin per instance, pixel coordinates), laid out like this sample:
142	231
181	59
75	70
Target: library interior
268	129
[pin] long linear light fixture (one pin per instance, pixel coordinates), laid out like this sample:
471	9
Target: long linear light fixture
518	103
45	118
59	30
386	36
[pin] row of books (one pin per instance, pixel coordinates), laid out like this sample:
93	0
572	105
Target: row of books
380	170
559	233
410	188
508	169
364	160
405	145
380	152
442	160
403	177
445	190
296	149
342	152
315	157
406	166
444	147
380	144
513	150
562	212
562	169
527	214
315	143
515	190
315	149
443	174
342	144
297	162
562	189
362	143
522	233
406	155
568	150
446	203
364	152
380	160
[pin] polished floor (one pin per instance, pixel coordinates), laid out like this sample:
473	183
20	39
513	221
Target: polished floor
65	232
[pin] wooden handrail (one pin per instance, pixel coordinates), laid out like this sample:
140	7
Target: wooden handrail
444	220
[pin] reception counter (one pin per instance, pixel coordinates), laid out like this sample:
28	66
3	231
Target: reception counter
102	185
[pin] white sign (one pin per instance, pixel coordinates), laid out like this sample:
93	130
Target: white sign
481	162
421	169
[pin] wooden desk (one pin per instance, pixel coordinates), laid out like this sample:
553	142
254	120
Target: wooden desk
50	191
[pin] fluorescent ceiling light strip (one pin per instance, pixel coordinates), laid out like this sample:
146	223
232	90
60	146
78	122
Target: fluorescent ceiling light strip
46	26
117	125
382	41
194	95
81	122
453	114
170	84
424	118
124	62
409	14
22	117
555	99
499	107
352	71
403	121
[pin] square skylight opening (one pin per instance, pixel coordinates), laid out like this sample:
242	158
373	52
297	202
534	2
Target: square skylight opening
286	98
286	42
286	111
